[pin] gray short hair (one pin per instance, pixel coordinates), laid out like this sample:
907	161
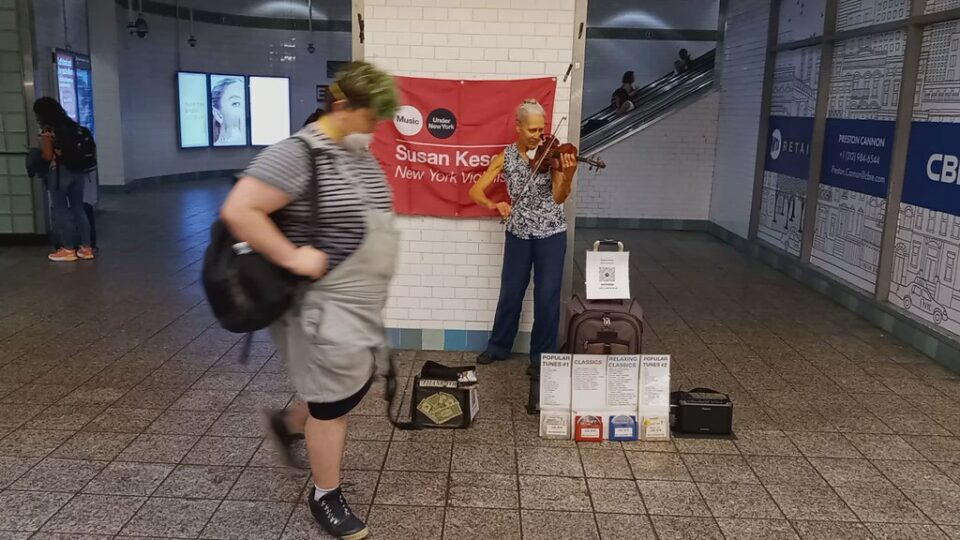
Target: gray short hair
528	107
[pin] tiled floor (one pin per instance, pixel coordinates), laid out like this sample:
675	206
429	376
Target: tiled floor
123	413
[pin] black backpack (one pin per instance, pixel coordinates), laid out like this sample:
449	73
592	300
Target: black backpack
78	151
245	290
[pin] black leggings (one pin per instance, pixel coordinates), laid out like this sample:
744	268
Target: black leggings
335	409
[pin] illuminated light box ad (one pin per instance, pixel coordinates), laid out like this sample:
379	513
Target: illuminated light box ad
269	110
194	112
228	110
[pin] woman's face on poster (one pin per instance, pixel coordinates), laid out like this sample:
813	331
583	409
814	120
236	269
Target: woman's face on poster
231	111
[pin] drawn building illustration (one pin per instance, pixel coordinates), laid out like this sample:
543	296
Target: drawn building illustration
941	5
856	13
924	275
864	85
783	201
938	84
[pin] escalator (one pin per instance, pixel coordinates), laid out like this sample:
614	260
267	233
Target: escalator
651	103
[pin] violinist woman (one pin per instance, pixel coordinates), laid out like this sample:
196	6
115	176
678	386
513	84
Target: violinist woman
536	236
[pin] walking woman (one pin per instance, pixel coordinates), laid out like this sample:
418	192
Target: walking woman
334	341
70	222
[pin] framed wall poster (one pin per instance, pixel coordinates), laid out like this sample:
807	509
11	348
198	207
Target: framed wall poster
228	110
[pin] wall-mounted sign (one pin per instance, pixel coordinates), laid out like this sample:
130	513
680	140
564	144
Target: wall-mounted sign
856	155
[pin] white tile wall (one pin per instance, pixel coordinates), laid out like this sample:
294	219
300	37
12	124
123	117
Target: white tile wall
664	171
449	270
741	86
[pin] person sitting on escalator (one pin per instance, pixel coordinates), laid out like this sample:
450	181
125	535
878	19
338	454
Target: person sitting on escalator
627	83
620	101
683	64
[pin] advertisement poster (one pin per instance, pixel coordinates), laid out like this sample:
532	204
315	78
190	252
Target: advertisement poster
444	136
933	167
228	109
789	150
66	83
84	88
856	155
269	110
194	111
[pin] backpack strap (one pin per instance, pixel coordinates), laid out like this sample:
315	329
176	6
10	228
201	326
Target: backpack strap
313	189
312	193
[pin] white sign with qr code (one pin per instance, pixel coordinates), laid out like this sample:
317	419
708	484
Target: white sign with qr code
608	275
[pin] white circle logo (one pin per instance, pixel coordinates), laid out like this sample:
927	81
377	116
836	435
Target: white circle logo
408	120
776	144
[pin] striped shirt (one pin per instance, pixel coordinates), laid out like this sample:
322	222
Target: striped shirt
349	184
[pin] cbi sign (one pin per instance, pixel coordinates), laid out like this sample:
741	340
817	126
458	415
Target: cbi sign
933	167
943	168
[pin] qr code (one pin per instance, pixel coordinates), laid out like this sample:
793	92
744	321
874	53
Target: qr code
608	274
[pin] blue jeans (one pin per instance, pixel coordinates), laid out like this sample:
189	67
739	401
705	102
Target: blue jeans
545	257
69	217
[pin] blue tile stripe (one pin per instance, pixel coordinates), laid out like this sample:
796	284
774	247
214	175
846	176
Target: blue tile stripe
452	340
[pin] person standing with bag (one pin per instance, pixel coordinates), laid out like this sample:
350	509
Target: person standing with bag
71	152
333	339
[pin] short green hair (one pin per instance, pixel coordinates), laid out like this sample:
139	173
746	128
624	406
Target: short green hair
365	86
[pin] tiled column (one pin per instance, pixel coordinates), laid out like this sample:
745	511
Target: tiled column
435	304
21	201
105	60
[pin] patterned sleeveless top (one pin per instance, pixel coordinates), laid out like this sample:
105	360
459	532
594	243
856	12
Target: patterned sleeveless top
535	214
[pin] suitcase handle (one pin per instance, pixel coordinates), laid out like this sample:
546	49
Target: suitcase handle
607	242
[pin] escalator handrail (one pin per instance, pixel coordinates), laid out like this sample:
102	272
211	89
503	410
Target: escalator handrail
630	122
702	63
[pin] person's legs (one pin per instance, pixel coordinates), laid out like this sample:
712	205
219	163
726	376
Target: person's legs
91	220
325	443
548	258
75	199
326	435
62	224
514	278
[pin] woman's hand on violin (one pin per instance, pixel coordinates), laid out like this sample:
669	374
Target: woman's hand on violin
568	163
505	209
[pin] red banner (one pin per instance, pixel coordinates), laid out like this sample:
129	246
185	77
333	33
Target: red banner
444	136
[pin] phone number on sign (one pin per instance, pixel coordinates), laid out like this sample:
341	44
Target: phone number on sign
860	157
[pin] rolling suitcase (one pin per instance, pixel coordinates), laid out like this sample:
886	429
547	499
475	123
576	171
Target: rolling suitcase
597	327
604	326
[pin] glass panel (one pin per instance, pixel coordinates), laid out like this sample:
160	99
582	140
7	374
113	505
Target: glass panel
927	289
800	19
934	6
792	107
859	129
858	13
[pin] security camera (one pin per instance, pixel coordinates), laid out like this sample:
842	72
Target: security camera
310	48
141	27
192	41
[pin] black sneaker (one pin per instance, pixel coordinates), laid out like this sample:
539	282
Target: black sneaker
335	516
281	437
487	358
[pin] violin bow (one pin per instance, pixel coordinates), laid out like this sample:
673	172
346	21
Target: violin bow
533	170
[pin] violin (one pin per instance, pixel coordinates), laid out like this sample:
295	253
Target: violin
548	155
